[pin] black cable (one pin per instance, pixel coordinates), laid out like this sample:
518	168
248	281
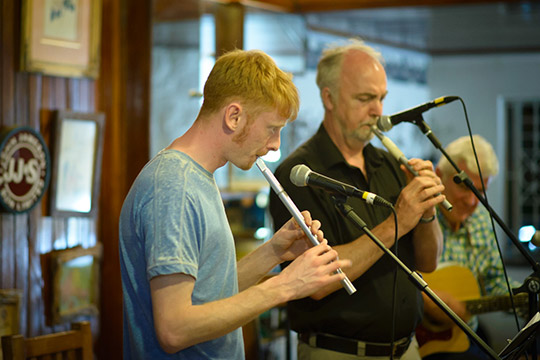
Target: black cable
505	272
490	216
395	248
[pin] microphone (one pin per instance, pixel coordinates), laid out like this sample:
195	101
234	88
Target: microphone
297	215
386	122
301	175
399	156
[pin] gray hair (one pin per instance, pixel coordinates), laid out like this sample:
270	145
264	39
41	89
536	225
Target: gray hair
329	67
460	150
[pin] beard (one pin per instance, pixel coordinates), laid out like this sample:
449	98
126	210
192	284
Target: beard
362	134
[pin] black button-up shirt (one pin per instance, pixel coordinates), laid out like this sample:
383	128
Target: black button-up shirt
367	314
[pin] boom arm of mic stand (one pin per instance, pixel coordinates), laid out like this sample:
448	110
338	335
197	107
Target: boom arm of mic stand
348	212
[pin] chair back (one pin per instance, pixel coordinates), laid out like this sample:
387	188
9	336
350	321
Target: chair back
75	344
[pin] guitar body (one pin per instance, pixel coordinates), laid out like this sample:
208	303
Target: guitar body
433	341
460	282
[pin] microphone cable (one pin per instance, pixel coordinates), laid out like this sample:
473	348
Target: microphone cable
394	290
490	216
507	280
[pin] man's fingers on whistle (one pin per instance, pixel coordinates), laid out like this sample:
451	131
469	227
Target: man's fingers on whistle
321	247
435	200
419	164
329	256
438	189
428	173
315	226
342	263
307	218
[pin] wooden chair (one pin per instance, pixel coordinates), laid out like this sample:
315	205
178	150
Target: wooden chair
75	344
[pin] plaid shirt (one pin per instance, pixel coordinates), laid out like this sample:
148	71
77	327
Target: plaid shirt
473	246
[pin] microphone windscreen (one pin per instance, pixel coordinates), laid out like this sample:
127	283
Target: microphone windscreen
299	175
384	123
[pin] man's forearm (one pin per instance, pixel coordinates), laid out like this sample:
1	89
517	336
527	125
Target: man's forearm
428	244
253	266
180	324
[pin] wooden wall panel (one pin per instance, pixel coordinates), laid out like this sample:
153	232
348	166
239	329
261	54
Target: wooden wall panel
8	249
22	263
7	223
122	92
8	62
110	89
24	98
34	93
32	323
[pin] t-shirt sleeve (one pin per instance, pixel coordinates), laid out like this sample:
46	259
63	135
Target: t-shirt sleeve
173	227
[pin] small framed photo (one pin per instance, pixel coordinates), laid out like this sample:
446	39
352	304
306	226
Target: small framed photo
75	282
10	312
76	166
61	37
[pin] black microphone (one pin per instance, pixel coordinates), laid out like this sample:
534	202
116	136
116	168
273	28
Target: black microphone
386	122
301	175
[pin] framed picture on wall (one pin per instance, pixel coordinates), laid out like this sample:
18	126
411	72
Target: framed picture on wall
75	282
10	312
77	141
61	38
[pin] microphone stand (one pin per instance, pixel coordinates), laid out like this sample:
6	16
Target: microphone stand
347	211
531	285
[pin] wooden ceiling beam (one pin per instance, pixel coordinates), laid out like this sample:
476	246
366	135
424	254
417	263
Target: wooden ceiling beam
172	10
286	6
303	6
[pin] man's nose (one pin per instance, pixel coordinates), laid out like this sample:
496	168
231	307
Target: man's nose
274	142
377	108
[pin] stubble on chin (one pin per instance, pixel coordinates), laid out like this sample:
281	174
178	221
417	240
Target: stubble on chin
244	165
360	135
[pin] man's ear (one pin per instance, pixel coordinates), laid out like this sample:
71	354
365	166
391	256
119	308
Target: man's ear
327	98
438	172
233	117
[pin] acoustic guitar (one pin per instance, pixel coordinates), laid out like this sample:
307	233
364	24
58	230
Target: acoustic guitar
460	282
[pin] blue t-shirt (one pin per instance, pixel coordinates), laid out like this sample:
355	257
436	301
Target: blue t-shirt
173	221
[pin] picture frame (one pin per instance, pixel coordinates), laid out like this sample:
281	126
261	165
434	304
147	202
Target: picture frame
76	163
61	38
10	312
74	274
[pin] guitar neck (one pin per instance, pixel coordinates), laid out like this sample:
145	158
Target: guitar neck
494	303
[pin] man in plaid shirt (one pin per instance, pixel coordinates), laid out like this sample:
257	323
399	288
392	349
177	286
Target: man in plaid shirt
469	240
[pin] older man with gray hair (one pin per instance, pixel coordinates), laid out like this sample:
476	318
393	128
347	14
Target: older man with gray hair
469	242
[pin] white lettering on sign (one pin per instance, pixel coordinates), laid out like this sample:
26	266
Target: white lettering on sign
24	169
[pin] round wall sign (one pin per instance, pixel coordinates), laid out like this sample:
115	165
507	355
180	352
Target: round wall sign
24	169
